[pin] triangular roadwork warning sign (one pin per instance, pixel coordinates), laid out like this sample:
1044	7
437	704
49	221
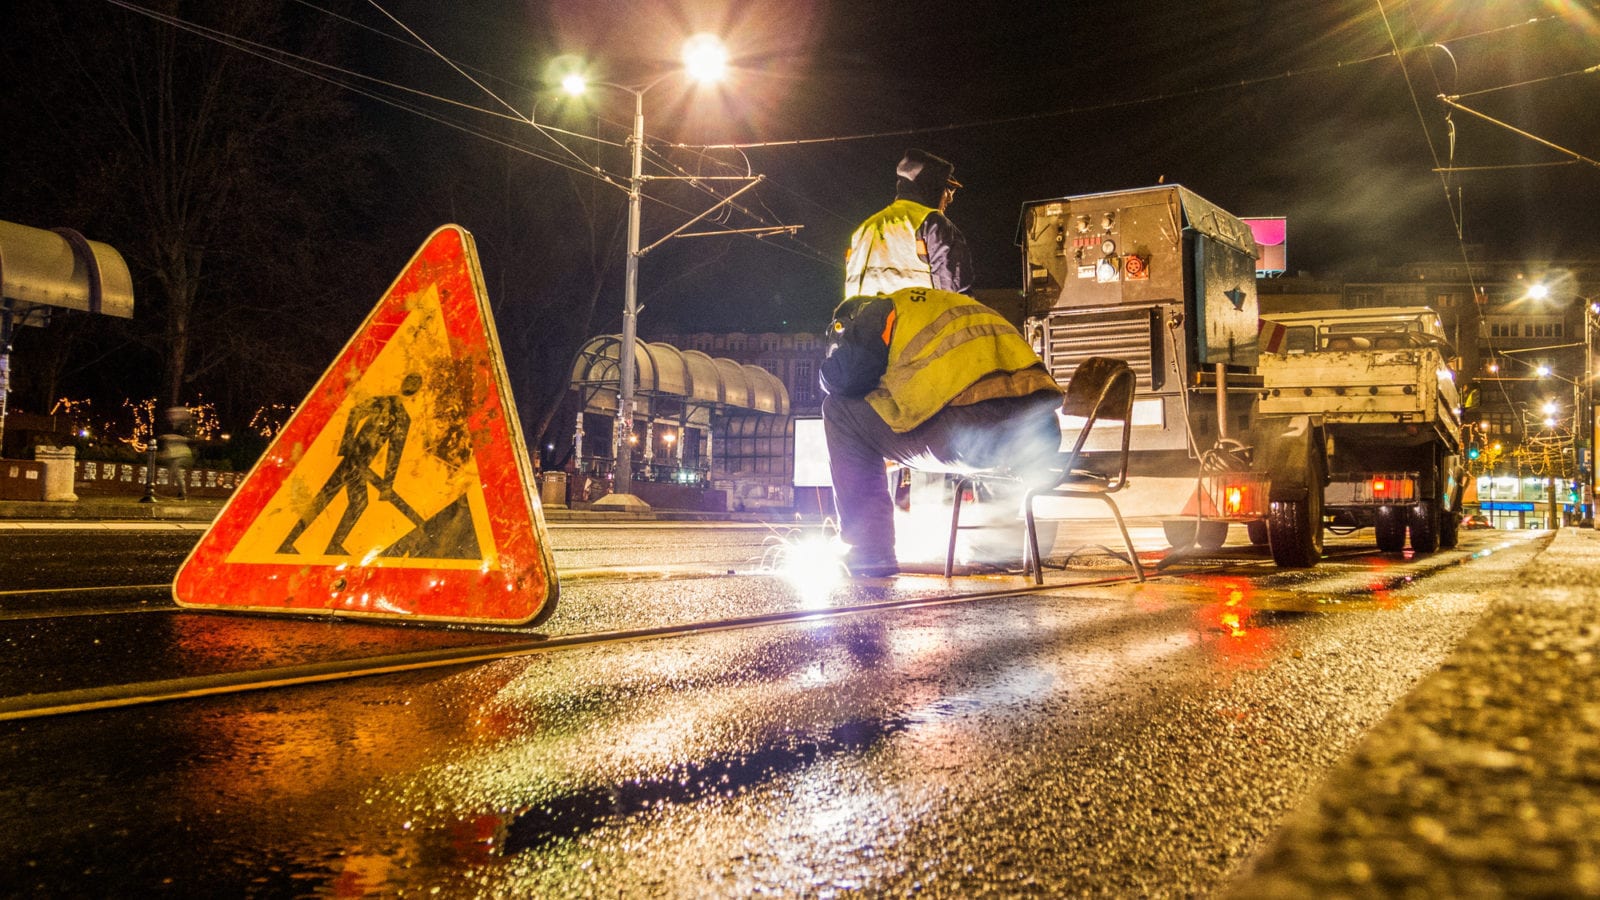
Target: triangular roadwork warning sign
401	486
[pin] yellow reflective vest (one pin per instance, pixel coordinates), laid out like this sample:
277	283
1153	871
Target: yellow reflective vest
885	254
942	343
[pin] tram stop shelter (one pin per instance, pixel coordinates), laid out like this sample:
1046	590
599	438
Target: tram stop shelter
709	433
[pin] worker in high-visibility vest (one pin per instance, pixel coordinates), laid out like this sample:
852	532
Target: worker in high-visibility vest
911	242
933	380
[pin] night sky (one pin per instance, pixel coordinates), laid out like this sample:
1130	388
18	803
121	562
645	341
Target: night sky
1295	108
1299	109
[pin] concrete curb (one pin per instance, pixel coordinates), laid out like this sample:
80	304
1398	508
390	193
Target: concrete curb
1485	780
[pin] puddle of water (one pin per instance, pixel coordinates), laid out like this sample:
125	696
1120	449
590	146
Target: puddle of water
575	813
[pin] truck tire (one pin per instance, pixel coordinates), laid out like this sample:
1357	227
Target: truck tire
1425	527
1391	528
1257	532
1294	531
1294	527
1181	533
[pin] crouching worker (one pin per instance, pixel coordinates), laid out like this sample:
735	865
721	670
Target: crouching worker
932	380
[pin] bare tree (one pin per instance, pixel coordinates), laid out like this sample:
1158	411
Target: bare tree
222	177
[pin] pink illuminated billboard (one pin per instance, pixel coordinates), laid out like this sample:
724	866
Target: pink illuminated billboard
1270	234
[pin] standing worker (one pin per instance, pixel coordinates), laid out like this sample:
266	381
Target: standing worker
910	242
933	380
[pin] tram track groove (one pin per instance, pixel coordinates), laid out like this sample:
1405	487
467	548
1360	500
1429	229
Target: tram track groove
108	697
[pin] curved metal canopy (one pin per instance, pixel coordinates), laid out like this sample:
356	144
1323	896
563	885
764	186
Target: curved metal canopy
687	376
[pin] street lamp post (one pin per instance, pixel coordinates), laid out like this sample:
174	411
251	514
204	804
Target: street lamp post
623	483
705	60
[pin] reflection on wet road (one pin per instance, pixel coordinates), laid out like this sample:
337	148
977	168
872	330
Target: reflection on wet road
1123	739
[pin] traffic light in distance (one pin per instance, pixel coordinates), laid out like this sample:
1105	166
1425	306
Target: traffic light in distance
1473	453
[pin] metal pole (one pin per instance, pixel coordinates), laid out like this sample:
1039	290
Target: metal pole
1586	493
150	468
630	306
5	363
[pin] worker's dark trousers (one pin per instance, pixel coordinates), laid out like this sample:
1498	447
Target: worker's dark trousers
1018	433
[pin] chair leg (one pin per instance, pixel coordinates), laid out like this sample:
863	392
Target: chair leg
955	528
1133	555
1031	557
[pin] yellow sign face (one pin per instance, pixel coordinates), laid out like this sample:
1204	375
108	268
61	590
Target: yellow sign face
384	480
401	486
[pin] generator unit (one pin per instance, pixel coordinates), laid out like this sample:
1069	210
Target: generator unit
1165	279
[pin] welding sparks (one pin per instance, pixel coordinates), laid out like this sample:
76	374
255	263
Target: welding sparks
810	561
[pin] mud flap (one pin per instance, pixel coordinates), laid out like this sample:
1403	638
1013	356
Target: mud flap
1284	448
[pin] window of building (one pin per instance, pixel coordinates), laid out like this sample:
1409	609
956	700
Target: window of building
804	388
1499	423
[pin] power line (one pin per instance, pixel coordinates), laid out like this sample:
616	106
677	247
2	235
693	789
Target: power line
1059	113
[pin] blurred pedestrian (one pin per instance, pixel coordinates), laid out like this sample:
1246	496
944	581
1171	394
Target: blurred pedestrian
911	242
172	447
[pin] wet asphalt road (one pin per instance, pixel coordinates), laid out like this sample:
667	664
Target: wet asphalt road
1112	740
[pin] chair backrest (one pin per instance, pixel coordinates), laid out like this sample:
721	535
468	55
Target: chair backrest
1101	389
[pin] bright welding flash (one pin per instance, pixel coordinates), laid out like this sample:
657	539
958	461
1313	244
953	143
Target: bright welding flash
813	565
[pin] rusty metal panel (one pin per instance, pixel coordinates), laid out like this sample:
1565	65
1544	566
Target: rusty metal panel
401	487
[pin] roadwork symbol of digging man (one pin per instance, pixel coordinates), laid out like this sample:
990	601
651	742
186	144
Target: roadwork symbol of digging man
375	425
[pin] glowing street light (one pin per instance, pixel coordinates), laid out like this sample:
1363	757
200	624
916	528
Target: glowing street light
705	60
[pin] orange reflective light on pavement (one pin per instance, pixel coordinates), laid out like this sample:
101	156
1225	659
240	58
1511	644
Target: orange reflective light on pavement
401	487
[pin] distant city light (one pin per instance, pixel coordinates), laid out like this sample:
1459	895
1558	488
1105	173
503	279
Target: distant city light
1538	291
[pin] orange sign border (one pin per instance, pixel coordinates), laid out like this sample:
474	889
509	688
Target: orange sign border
524	587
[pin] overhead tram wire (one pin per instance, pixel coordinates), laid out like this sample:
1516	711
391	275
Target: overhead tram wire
1458	212
484	88
1109	105
1456	205
1592	70
307	65
1053	114
289	61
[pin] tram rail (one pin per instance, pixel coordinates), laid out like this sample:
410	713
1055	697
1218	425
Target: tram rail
152	691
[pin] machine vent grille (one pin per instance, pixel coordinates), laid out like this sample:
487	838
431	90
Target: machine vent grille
1126	334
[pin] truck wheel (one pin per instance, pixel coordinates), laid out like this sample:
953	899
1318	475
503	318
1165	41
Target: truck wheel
1391	529
1294	531
1181	533
1257	532
1425	527
1449	530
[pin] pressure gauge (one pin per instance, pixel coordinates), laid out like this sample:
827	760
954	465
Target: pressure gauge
1108	247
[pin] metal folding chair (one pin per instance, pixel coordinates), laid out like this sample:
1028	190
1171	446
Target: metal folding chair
1101	390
